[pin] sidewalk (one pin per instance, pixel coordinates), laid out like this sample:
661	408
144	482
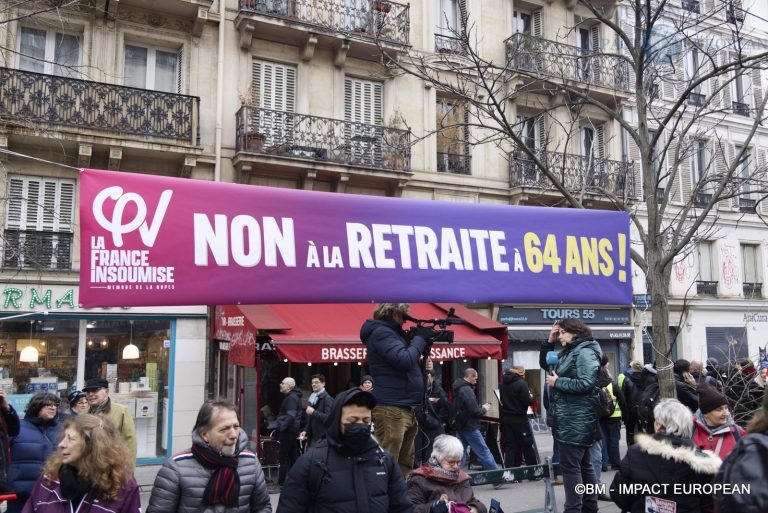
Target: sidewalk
525	497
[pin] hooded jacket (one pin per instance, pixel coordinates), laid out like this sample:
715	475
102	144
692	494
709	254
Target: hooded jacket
394	364
721	440
671	463
367	482
289	415
180	483
575	396
515	397
465	401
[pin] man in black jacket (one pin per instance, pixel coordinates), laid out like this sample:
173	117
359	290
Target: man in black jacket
684	385
9	427
288	419
515	426
347	472
319	405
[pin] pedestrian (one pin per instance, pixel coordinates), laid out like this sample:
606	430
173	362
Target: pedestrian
669	471
347	471
9	427
516	398
576	405
97	392
467	407
366	383
78	403
743	392
629	387
396	365
288	421
319	406
37	439
713	426
90	471
610	427
685	384
745	468
440	480
216	474
428	414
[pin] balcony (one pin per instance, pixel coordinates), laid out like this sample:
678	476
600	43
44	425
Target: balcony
740	108
545	59
574	171
300	137
702	199
753	290
452	163
317	23
50	101
449	44
29	249
706	288
696	99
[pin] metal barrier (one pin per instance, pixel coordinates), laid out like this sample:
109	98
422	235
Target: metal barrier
545	471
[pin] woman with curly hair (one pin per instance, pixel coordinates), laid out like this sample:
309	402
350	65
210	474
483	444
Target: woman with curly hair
89	467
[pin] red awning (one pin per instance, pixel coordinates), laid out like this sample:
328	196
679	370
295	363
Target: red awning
239	324
324	333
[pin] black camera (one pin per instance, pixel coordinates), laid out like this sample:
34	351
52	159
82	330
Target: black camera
433	330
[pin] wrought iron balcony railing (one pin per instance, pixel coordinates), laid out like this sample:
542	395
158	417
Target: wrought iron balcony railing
30	249
287	134
574	171
753	290
27	97
740	108
708	288
560	61
449	44
696	99
389	21
702	199
747	205
452	163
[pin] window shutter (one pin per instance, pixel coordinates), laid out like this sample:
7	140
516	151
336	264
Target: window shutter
594	36
762	161
673	159
541	132
66	207
600	142
536	28
728	78
634	157
363	101
757	87
685	168
179	67
32	206
14	212
48	204
255	92
629	30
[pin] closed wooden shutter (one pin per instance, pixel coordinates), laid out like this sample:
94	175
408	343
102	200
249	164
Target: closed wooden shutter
273	87
363	113
536	28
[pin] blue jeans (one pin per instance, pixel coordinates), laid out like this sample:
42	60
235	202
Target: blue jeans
596	457
576	465
475	440
611	429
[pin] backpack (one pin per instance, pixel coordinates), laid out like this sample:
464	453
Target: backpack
318	466
457	418
647	399
607	407
747	464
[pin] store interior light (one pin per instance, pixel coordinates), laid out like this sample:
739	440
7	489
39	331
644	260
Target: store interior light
29	354
104	342
131	351
90	343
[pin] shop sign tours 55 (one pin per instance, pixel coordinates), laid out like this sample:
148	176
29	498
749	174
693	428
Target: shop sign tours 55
149	240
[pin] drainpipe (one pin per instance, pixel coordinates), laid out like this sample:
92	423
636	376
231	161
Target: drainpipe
219	91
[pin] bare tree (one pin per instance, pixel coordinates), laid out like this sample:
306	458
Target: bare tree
670	75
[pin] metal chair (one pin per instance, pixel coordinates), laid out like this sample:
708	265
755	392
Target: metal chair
270	455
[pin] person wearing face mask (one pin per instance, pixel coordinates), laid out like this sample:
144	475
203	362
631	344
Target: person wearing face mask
217	474
347	471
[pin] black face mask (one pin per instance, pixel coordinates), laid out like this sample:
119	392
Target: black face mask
356	436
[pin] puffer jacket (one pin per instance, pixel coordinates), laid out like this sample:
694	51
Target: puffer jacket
721	440
667	462
425	486
368	481
29	450
180	483
46	497
575	395
394	364
465	401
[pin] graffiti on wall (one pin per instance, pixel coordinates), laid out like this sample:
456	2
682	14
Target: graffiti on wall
729	265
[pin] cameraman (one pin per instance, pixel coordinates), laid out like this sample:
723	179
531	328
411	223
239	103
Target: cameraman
394	364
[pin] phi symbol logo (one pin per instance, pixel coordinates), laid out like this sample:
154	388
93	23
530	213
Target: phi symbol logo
118	226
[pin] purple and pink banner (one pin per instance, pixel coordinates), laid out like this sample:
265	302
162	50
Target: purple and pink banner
148	240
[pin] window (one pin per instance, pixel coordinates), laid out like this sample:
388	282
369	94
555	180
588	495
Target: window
158	69
50	52
447	27
531	130
38	223
363	116
739	86
752	275
747	201
691	6
692	72
707	282
452	136
273	90
699	163
589	63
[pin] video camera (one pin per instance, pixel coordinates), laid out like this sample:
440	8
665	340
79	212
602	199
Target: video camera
434	330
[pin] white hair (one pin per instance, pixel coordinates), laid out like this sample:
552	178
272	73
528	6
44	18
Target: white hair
675	417
447	447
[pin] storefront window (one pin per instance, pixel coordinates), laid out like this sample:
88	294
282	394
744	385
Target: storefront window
140	384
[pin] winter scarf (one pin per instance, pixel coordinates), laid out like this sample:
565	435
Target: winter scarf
224	485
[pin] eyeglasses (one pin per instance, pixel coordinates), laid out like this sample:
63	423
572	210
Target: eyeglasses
51	405
452	462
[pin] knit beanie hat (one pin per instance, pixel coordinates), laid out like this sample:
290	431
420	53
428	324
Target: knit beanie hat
709	398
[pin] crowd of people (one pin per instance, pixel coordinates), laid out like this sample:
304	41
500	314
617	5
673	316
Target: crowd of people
398	442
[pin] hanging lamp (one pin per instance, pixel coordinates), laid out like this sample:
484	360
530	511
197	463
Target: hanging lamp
131	351
29	354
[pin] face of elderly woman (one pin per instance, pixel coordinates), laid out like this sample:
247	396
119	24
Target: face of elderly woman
450	464
71	446
718	416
